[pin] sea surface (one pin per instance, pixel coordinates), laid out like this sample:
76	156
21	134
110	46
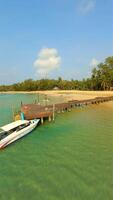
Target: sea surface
69	159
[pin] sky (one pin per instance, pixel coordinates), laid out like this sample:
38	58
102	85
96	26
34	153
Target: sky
53	38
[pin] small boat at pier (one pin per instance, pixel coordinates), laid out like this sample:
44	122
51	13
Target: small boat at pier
15	130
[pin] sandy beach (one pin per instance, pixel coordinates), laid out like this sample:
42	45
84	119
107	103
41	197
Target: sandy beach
67	94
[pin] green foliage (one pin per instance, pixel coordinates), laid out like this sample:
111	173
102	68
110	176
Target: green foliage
102	76
101	79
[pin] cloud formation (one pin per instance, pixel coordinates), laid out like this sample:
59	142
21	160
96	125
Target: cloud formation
85	6
48	60
94	62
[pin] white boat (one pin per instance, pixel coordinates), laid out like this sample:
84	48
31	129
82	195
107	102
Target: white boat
15	130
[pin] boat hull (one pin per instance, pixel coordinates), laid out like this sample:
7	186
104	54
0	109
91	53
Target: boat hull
17	135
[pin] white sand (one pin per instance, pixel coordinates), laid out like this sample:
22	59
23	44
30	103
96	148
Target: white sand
68	94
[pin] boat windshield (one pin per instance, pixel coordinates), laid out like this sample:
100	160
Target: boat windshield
3	134
1	130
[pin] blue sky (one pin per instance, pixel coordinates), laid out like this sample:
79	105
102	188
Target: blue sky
63	37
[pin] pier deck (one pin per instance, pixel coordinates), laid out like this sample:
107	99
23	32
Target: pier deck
32	111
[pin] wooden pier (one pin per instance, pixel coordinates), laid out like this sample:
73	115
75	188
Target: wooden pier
32	111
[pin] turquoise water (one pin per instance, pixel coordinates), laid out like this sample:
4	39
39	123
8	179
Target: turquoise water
71	159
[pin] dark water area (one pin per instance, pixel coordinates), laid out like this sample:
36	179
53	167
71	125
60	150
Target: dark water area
69	159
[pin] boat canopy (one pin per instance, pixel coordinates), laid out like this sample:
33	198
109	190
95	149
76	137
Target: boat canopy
3	134
1	130
14	125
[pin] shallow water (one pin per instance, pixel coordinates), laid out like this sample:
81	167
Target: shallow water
71	159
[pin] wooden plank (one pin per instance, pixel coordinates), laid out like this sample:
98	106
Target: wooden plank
32	111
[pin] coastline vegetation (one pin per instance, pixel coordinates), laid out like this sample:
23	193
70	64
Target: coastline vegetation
101	79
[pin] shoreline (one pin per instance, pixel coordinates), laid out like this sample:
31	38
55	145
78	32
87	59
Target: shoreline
59	92
67	94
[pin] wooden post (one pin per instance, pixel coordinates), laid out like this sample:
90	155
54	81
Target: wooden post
53	112
38	99
21	103
45	99
13	114
49	118
42	120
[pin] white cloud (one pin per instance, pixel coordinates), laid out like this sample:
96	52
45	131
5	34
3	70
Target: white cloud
47	61
94	62
85	6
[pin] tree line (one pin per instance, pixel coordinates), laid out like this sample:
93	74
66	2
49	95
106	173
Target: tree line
101	79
